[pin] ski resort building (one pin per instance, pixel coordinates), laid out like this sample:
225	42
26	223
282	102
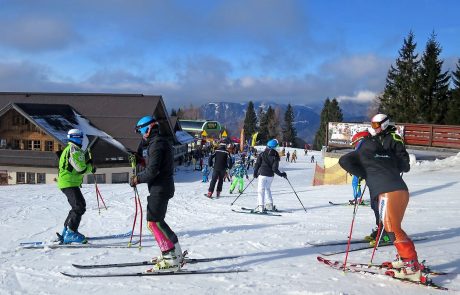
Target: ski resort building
33	127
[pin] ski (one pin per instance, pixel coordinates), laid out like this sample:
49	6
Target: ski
270	211
160	273
336	243
359	248
335	264
78	246
148	262
349	203
107	237
257	213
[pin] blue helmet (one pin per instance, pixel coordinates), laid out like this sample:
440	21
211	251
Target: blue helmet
143	124
272	143
75	136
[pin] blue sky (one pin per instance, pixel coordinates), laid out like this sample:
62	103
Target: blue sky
200	51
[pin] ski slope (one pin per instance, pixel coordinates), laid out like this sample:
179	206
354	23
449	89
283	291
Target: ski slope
273	249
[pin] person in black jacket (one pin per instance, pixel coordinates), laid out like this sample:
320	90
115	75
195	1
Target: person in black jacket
220	160
157	152
265	168
380	160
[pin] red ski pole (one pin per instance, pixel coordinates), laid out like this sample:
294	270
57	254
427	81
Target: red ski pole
355	210
134	222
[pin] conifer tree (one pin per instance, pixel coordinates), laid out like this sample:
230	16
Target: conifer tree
250	121
173	112
331	112
400	94
289	131
453	113
273	123
262	137
434	85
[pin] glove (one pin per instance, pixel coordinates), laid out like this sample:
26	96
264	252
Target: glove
356	184
255	175
133	181
89	161
93	170
247	176
283	175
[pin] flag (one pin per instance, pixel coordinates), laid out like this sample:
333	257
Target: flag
242	140
254	139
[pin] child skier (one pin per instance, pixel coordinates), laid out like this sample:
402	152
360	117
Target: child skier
239	171
205	172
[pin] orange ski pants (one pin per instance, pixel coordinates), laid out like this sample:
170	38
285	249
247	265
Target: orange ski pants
392	206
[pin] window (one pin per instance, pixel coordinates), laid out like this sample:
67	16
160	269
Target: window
19	120
120	177
49	145
15	144
100	178
33	145
30	178
20	177
41	178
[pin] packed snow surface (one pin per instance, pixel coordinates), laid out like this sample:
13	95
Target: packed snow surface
273	249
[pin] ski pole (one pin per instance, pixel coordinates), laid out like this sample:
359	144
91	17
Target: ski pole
98	193
296	195
242	191
379	231
355	210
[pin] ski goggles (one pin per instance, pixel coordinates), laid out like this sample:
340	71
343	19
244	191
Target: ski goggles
376	125
142	129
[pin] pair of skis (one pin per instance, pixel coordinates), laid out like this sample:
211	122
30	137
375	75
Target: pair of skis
264	213
158	273
376	269
350	203
353	249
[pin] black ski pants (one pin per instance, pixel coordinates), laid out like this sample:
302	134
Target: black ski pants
156	212
217	176
78	204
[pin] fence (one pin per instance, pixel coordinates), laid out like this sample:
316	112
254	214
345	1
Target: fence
444	136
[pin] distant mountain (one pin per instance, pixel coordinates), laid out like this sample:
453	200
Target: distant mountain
306	118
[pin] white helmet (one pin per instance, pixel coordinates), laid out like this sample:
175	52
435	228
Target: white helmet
380	121
75	136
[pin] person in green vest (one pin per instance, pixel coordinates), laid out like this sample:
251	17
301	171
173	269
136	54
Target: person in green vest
73	165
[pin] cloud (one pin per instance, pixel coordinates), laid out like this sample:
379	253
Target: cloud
36	34
360	96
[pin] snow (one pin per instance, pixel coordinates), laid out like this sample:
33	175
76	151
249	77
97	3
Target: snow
273	249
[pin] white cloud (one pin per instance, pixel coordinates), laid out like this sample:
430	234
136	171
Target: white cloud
360	96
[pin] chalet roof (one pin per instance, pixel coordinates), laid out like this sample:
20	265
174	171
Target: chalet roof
115	114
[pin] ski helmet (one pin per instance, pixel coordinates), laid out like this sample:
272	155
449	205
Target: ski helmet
75	136
272	143
143	125
380	121
358	136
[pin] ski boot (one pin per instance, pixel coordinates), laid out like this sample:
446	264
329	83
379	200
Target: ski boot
217	194
167	262
270	207
384	240
74	237
411	270
209	195
60	236
259	209
372	236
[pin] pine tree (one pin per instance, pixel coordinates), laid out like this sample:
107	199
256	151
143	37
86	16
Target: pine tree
173	112
273	123
180	113
289	131
331	112
434	85
250	121
453	113
262	137
400	94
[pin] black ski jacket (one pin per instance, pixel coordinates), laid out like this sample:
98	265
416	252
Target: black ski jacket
267	163
159	166
380	160
220	160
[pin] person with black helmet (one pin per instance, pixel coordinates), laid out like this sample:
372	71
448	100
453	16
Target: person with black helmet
380	160
220	160
73	165
157	152
265	168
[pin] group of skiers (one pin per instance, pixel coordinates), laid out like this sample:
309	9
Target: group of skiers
379	158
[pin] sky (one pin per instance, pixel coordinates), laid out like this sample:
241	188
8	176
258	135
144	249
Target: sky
193	52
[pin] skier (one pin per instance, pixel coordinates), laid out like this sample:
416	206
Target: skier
72	167
205	172
220	160
312	159
294	156
380	160
158	174
239	171
287	156
266	166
